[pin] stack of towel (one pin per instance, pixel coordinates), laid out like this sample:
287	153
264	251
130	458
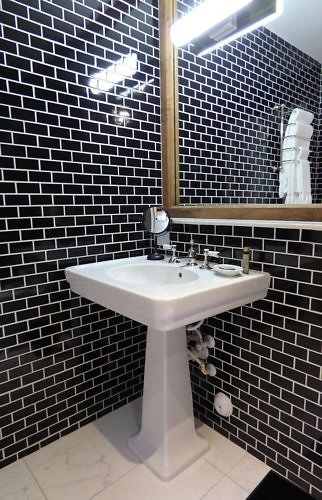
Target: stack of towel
295	178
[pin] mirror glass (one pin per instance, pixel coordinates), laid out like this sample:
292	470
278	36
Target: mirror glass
229	132
156	220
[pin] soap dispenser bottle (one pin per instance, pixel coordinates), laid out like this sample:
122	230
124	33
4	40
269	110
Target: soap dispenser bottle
245	260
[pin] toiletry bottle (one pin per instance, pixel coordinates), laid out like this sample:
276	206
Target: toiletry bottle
245	260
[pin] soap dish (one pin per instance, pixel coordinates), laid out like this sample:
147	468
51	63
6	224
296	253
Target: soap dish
228	269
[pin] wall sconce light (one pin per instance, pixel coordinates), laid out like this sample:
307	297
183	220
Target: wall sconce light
216	22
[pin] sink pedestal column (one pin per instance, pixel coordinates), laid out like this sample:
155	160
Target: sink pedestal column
167	442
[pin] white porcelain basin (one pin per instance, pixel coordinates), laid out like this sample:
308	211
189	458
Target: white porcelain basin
163	295
166	297
156	275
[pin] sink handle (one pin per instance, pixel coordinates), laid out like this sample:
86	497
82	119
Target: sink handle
173	257
206	254
205	264
166	247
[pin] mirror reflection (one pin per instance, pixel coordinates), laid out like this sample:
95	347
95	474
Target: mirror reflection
156	220
122	79
120	75
235	107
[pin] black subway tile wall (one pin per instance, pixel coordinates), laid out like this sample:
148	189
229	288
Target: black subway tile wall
80	161
267	353
229	134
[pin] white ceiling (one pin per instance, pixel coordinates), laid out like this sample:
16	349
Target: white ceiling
301	25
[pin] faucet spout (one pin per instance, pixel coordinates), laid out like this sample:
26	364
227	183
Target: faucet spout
173	259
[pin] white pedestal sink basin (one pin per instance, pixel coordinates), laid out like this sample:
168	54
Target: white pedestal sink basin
166	297
162	295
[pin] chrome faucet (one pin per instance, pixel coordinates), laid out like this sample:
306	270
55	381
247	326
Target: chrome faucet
206	254
191	257
173	259
205	264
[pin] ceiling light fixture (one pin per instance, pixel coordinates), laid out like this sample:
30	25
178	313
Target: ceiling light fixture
202	18
216	33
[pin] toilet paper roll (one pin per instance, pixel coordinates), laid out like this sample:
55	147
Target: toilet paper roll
223	405
303	154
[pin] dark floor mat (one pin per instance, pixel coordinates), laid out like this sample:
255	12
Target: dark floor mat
275	487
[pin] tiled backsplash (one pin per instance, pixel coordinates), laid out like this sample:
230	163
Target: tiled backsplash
73	186
229	134
267	353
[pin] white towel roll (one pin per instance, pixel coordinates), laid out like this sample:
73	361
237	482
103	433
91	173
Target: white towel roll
300	130
290	154
299	114
295	154
303	153
295	142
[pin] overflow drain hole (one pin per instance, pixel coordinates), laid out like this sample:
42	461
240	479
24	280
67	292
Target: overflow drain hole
180	275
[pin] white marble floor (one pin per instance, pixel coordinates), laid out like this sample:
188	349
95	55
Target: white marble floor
95	463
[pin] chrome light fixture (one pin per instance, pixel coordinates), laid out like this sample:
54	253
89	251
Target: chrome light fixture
216	22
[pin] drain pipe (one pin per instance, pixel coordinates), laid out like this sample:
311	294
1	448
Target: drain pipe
200	349
194	327
206	368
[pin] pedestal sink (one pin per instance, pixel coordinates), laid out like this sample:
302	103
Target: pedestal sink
166	297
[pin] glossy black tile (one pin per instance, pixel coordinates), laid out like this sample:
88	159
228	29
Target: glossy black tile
310	235
76	198
300	248
280	352
311	263
53	166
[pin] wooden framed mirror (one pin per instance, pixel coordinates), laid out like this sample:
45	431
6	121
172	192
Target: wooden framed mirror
170	149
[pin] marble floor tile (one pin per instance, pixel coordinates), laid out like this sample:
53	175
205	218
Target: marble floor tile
83	467
17	483
226	489
248	472
223	454
142	484
120	424
60	446
95	462
114	427
82	471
